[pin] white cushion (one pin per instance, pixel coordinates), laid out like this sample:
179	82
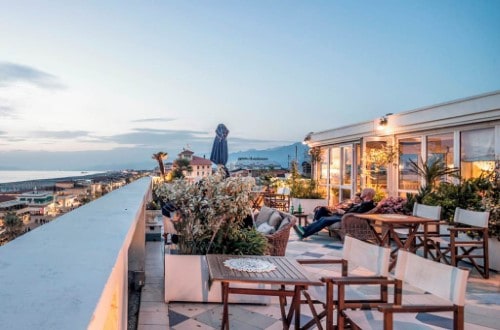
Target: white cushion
283	223
275	219
264	215
266	229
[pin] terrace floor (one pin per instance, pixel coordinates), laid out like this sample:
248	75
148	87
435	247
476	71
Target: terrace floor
482	310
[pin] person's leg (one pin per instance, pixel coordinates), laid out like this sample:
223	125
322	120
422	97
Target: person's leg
316	226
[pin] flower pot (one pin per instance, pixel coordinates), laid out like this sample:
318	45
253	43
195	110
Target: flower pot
494	253
151	215
187	279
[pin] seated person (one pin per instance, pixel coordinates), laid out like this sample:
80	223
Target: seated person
366	205
323	211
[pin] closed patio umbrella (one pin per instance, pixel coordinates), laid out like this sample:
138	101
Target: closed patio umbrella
219	153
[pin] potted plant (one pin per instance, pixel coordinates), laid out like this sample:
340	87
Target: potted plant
304	192
210	216
478	194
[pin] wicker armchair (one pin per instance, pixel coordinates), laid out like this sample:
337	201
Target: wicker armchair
278	240
357	227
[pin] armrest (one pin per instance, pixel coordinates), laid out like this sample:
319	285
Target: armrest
392	308
319	261
465	229
359	280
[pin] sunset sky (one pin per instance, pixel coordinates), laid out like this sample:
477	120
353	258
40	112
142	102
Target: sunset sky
111	82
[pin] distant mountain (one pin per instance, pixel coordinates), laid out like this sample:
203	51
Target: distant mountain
282	155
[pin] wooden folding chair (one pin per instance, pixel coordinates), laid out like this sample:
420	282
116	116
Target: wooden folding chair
362	263
467	240
423	211
430	287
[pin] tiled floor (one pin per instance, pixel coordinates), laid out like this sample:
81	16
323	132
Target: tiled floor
482	309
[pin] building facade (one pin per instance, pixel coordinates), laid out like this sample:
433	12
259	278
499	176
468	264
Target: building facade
39	202
200	166
463	134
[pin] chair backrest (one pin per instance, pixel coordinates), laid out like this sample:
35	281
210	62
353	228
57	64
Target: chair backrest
369	256
427	211
442	280
471	218
283	191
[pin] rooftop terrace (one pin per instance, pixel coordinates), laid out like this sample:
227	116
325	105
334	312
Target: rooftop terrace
73	273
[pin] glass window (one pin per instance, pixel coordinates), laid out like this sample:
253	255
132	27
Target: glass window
441	147
323	166
409	151
477	152
376	159
335	196
347	166
335	166
358	166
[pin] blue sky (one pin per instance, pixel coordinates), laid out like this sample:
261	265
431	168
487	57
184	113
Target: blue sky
111	82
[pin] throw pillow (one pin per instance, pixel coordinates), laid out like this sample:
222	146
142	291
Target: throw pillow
266	229
264	215
275	219
283	223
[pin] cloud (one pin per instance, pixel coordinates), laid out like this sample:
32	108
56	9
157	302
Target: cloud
6	111
11	73
152	120
173	141
147	137
61	134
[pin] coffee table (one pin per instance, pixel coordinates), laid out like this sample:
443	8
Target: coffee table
287	272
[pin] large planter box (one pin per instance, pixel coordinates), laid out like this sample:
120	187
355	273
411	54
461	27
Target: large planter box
308	204
494	253
186	279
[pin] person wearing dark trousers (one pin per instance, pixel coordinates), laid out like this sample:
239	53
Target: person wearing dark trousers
366	205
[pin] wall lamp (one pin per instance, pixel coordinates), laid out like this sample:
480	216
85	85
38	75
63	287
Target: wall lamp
383	121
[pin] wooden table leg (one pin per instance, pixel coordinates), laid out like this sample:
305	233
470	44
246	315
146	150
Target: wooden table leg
225	309
296	297
294	308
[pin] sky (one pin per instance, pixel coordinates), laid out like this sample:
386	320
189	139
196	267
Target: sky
109	83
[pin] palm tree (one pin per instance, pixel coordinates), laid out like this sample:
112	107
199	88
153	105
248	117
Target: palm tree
13	225
181	165
431	171
159	157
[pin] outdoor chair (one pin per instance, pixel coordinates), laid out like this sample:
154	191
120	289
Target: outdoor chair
275	225
279	200
429	287
467	239
361	263
423	211
357	227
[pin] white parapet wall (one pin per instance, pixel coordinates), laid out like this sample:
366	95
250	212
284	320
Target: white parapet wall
72	273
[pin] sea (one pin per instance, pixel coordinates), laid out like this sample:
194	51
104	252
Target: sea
19	176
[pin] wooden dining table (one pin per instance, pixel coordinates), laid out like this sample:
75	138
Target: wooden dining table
384	228
286	272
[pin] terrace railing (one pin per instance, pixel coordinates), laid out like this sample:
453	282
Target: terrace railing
74	272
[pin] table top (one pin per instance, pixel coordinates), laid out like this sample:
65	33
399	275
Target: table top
287	272
395	218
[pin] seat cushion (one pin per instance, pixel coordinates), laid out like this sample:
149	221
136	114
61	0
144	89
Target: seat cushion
283	223
275	219
266	229
264	215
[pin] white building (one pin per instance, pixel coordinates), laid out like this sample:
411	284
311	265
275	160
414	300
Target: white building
464	133
39	202
201	167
